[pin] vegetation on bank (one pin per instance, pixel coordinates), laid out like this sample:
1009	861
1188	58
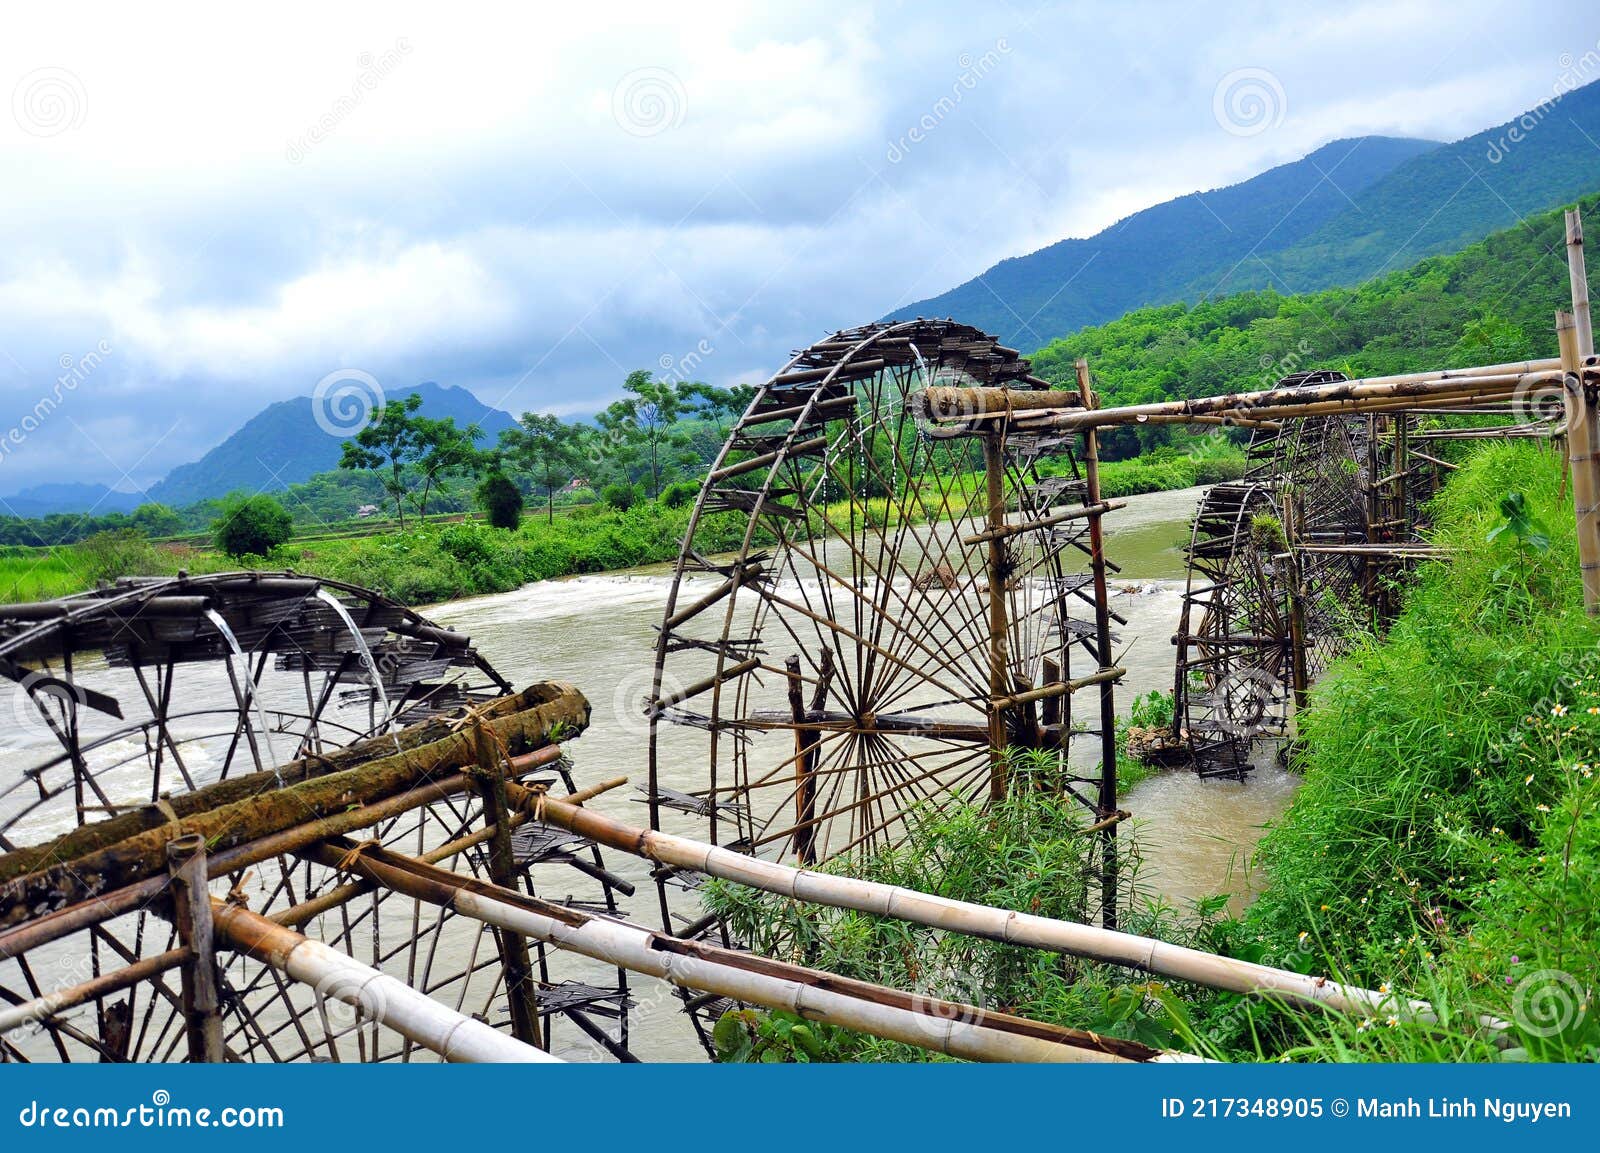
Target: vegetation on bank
1445	845
1490	303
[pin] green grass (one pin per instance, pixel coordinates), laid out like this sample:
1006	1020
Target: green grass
1447	836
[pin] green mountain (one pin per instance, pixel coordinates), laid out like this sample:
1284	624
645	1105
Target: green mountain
283	444
1349	210
1490	303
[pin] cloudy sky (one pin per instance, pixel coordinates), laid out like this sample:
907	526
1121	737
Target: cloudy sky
212	210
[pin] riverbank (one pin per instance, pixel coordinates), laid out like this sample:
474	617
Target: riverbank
434	562
1446	839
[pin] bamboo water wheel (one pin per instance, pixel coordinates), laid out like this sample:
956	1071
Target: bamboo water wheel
123	700
836	651
1286	567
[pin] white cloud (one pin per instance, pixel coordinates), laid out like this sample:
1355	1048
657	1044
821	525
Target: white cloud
445	193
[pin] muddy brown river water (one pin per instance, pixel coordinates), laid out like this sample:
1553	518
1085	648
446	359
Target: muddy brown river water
598	632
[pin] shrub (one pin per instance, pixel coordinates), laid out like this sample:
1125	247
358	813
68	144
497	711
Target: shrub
680	494
251	525
500	500
120	552
621	497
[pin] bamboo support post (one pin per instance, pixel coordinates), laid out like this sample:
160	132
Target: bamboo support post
805	745
1581	458
1106	801
374	994
201	1000
515	962
999	661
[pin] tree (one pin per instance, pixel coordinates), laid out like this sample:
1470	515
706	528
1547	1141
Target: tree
647	418
156	520
251	525
545	448
500	499
442	449
386	446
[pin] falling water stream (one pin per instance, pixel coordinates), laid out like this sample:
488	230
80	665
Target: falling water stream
337	606
249	684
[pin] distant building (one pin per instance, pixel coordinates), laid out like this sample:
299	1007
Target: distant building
366	510
576	483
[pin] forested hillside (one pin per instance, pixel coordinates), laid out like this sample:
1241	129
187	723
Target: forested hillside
1494	301
1372	205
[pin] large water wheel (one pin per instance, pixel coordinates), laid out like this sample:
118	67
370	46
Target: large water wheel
1286	567
124	697
869	610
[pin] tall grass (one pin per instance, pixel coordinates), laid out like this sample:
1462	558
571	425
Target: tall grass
1447	836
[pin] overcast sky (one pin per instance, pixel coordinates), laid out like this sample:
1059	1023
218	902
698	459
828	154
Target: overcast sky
214	211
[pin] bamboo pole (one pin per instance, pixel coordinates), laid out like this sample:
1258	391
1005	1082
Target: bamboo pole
1579	281
1106	802
999	661
429	744
71	877
964	1031
44	1007
1014	928
1581	459
201	1001
1269	403
515	963
385	999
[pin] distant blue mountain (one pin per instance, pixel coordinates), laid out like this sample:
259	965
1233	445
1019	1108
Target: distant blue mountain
283	444
45	499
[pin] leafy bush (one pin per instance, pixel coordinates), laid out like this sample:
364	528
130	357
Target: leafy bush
251	525
680	494
109	555
621	497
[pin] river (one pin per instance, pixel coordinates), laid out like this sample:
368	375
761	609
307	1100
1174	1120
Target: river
599	633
